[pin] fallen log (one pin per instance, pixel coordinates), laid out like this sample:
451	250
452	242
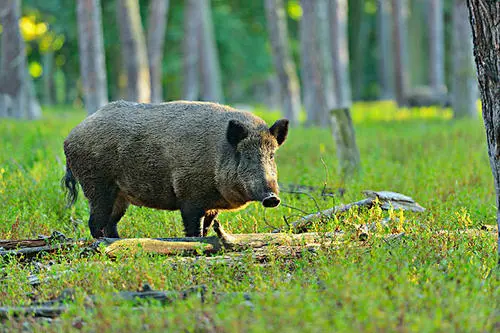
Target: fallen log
385	199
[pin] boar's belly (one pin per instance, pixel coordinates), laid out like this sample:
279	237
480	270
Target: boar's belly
148	196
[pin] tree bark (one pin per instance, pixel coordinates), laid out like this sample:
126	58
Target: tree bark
340	52
345	141
134	51
485	19
191	50
17	94
399	14
284	66
209	58
464	81
313	94
91	52
158	12
436	46
384	41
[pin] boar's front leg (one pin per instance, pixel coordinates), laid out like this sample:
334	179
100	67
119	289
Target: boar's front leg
208	220
192	219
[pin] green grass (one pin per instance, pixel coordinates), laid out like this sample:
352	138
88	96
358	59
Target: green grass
428	283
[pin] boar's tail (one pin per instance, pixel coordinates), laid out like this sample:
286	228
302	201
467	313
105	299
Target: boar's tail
70	184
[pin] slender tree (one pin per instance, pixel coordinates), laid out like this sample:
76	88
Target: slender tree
283	64
158	10
134	51
436	45
399	14
384	50
324	53
484	18
340	51
340	115
191	51
17	95
91	52
209	58
313	94
464	82
415	38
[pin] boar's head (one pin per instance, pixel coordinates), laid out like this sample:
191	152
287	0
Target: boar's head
256	174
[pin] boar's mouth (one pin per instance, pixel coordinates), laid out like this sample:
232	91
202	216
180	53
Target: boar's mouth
271	200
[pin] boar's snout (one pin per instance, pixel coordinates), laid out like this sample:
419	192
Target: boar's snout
271	201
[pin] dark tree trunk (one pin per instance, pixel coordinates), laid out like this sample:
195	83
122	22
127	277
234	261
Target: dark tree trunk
385	45
313	95
285	67
463	79
399	14
191	50
17	94
485	20
158	11
209	58
91	52
134	51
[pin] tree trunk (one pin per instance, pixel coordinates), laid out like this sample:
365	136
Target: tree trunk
209	59
399	14
436	46
484	19
324	54
158	11
340	117
285	67
91	52
313	96
17	94
345	141
464	81
415	34
340	52
384	41
134	52
191	50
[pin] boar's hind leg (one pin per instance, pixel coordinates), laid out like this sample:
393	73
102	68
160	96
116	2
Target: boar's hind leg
192	219
101	208
208	220
119	208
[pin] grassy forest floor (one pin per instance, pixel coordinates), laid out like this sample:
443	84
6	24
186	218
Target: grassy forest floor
428	282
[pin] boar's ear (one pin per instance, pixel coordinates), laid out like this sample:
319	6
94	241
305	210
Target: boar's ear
280	130
236	132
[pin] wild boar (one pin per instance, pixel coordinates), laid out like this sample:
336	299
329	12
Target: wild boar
196	157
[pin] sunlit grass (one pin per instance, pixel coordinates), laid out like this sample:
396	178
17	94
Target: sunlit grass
429	282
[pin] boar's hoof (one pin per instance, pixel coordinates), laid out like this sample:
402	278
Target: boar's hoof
271	201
